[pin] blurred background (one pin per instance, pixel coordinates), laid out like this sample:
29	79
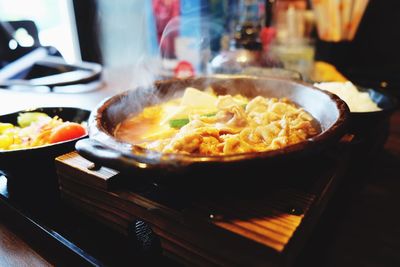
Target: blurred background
191	37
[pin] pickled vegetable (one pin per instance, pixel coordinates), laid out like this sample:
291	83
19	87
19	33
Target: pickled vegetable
26	119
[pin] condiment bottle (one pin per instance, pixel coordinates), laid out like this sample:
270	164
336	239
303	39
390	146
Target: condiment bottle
245	48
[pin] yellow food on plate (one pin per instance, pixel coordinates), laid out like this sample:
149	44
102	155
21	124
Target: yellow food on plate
204	123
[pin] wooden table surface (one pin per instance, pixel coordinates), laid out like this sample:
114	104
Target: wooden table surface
360	230
16	252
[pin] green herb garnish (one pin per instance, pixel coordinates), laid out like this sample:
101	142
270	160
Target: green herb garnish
178	123
209	115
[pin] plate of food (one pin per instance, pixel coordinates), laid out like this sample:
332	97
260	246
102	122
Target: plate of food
31	139
208	125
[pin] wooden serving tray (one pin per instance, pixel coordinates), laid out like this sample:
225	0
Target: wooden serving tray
250	230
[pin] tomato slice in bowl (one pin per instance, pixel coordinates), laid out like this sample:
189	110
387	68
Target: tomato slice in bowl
67	131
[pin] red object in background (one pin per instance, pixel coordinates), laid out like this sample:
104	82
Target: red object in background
184	69
164	11
267	35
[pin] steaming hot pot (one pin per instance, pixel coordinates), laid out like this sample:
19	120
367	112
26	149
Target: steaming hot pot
103	149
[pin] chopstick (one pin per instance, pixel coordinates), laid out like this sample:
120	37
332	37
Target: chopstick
358	12
338	20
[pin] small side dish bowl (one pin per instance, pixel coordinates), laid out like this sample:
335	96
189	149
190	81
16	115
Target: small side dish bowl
35	165
368	107
364	121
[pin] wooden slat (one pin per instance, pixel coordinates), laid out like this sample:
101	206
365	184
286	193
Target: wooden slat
188	252
257	226
110	220
120	214
79	167
273	214
249	231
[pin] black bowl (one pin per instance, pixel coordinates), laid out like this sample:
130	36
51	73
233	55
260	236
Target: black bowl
363	122
35	166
